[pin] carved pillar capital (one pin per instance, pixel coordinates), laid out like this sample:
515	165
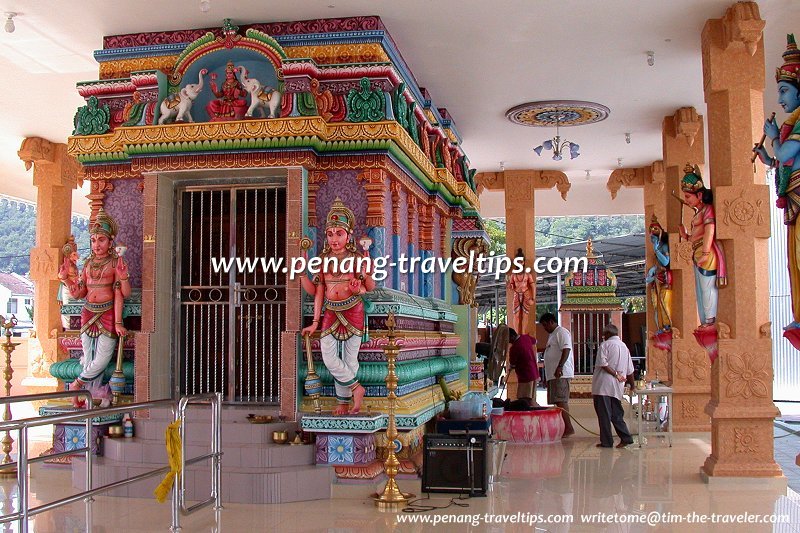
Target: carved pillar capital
375	183
688	123
742	24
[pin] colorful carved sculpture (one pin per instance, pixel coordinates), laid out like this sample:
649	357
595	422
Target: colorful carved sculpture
104	283
707	256
338	293
659	277
178	106
365	105
523	285
261	97
92	119
230	103
786	161
68	273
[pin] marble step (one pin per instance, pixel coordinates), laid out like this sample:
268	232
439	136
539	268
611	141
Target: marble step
238	484
199	432
153	452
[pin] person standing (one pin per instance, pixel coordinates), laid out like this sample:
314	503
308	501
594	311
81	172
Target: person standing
523	362
559	367
613	367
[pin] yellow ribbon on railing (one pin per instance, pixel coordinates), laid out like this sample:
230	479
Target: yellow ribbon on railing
173	438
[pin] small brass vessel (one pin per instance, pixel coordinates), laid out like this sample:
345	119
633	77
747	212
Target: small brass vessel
280	437
115	431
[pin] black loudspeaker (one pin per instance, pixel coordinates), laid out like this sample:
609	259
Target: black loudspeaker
455	463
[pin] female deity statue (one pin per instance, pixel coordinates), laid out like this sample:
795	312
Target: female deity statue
69	269
523	285
786	161
659	277
104	283
338	291
707	256
230	103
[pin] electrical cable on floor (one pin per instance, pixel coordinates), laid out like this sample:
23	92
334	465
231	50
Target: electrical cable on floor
414	507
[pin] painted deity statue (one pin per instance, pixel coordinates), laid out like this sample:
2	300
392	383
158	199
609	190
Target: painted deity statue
523	286
338	302
709	261
786	160
104	283
230	103
68	272
659	277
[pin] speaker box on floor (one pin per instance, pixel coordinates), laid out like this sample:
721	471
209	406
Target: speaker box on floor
455	463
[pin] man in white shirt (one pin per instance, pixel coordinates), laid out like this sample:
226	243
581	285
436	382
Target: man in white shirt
613	366
558	367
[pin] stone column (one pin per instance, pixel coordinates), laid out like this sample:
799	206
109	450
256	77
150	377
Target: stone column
741	405
688	366
55	175
519	186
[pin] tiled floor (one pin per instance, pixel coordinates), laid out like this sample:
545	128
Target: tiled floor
572	478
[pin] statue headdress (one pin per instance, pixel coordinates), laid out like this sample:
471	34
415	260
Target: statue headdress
104	224
692	181
791	62
340	216
655	227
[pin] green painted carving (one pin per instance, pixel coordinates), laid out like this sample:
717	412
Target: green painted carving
400	105
306	105
137	111
70	369
469	174
407	371
439	160
366	105
412	127
92	119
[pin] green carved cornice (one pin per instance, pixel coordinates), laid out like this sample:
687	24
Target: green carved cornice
407	371
366	104
92	119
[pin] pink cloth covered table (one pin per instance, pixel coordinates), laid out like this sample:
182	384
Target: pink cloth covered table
540	426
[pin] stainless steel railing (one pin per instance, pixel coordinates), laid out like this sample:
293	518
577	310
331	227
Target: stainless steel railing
179	490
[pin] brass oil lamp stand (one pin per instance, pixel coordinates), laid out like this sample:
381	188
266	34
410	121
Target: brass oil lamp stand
7	442
391	499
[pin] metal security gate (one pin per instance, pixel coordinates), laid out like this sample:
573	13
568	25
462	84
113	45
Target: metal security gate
587	334
232	308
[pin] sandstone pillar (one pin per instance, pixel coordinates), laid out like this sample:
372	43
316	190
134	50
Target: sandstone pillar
741	405
688	366
519	187
55	175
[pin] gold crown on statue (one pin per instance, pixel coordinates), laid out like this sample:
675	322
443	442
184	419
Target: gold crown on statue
791	62
655	227
692	182
340	216
104	224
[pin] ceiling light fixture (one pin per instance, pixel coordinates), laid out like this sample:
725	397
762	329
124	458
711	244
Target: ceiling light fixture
588	175
205	6
627	137
619	161
558	145
502	166
10	26
651	58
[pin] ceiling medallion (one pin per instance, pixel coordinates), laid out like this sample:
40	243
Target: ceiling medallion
548	113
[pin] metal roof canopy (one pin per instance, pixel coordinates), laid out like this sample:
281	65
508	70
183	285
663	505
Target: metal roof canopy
625	255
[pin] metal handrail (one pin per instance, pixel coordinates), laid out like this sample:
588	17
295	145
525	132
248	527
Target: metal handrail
178	493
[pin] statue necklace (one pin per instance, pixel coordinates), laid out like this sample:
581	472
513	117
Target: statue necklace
98	268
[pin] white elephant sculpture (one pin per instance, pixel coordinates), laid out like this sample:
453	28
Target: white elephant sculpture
264	98
179	105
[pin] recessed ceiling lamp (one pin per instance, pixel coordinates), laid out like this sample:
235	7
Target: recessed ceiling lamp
651	58
10	27
627	137
205	6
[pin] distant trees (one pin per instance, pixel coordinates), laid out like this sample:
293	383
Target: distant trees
554	231
18	235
